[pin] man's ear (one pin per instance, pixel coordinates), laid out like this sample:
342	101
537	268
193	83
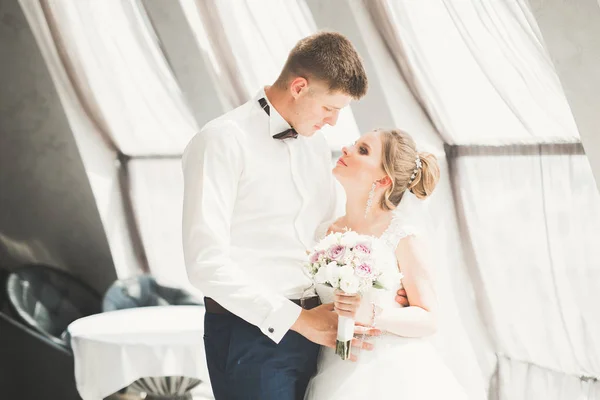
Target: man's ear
297	86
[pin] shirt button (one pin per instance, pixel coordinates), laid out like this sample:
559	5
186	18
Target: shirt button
271	330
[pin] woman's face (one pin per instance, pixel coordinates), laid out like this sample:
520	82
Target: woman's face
360	163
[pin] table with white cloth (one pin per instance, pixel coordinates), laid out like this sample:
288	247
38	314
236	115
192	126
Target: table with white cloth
114	349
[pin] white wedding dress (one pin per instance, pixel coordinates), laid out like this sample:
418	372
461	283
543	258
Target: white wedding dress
398	367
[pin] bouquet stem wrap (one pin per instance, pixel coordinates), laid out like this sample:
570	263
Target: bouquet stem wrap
345	333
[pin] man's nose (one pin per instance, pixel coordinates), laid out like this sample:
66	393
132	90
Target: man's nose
332	119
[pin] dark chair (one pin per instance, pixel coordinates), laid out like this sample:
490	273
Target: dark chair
32	365
144	291
48	300
3	276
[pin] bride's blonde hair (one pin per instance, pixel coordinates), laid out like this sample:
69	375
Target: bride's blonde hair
399	161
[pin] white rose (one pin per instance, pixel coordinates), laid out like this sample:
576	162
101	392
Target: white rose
349	239
350	284
321	276
327	242
333	274
346	271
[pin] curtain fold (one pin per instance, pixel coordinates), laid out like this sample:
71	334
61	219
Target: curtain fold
246	43
114	64
157	193
479	69
521	184
121	100
536	270
522	380
462	339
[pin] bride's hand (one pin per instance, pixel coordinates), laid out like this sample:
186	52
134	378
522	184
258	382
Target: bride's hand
346	304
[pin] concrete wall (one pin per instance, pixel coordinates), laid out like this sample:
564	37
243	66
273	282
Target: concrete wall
571	31
47	209
185	58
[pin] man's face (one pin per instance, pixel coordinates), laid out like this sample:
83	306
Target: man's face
314	106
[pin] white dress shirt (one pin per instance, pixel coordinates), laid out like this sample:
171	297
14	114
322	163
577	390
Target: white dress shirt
251	207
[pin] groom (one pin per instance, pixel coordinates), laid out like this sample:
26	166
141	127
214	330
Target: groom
257	184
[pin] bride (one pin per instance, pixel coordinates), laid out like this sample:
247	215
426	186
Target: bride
377	172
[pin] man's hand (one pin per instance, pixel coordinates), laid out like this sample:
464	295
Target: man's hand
363	343
402	298
318	325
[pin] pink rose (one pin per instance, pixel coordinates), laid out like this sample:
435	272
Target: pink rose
364	270
363	248
336	252
314	257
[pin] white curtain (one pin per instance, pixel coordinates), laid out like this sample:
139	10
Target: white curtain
121	101
462	339
528	213
120	75
532	222
480	70
246	43
157	188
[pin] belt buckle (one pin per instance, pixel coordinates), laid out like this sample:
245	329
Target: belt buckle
308	293
303	302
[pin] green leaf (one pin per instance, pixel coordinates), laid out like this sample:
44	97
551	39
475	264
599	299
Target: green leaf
378	285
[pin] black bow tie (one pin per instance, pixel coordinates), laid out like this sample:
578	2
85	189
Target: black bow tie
288	133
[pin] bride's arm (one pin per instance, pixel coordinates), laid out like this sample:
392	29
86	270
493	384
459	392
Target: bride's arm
419	318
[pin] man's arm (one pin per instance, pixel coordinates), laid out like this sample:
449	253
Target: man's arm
212	166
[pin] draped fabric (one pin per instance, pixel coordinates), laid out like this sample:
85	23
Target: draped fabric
118	73
538	267
526	201
479	68
121	100
247	43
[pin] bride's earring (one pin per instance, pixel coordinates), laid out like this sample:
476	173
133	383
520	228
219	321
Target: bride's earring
370	199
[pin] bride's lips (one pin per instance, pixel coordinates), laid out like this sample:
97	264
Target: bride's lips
340	161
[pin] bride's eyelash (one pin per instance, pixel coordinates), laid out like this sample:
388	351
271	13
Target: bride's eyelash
361	150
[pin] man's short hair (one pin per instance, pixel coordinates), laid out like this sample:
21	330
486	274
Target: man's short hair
330	58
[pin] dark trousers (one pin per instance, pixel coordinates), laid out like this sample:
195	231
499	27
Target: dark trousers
243	363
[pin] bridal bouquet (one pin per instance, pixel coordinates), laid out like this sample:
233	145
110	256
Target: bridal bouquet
345	261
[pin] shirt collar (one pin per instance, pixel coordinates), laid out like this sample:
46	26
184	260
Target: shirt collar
277	123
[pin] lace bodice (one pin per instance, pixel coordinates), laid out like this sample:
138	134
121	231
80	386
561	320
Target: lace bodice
398	229
384	251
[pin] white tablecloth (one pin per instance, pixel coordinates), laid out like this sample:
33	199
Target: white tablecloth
116	348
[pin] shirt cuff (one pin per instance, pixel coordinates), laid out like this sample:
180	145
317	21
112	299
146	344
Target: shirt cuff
280	320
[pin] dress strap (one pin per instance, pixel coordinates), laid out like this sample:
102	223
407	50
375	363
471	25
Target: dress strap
398	229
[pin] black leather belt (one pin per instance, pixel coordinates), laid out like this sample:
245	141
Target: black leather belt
213	307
